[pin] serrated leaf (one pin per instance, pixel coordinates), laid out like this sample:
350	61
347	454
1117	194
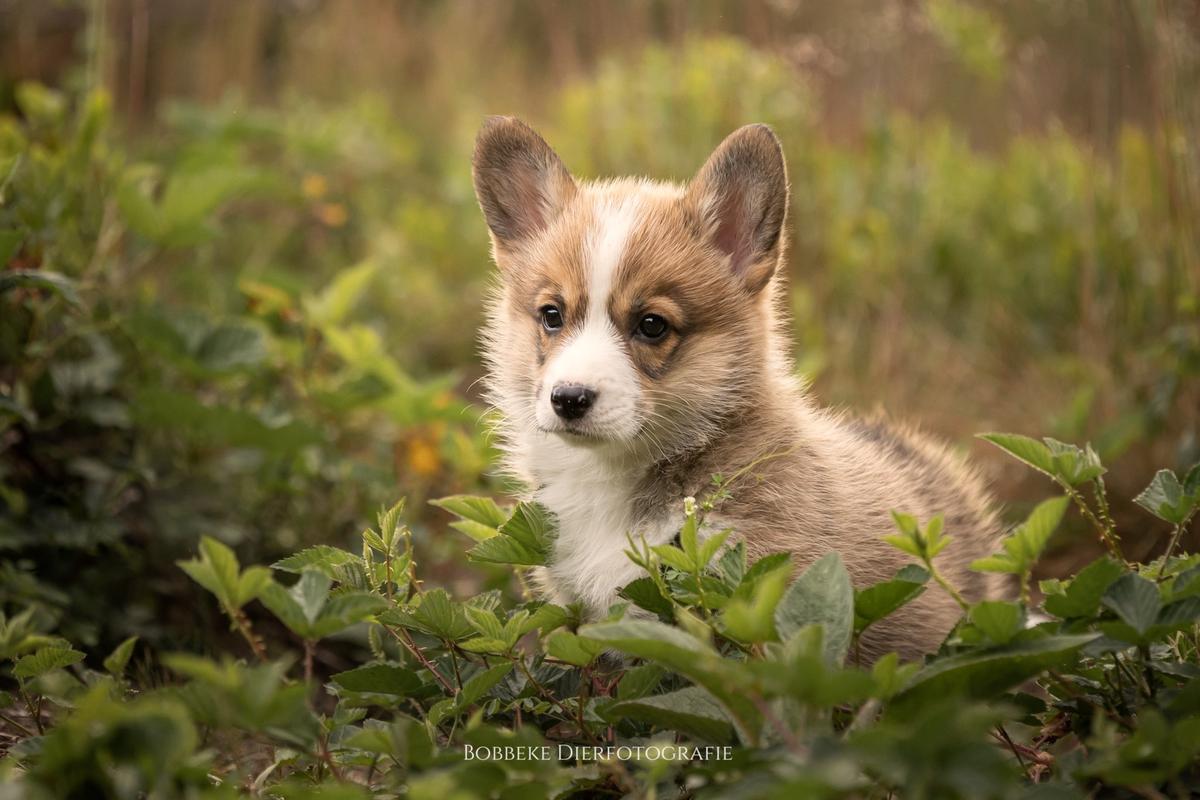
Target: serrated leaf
481	684
690	657
476	530
984	676
118	659
1081	597
876	602
998	620
644	593
673	556
569	647
335	301
691	710
484	621
322	557
1030	451
44	660
821	595
1166	498
480	510
525	539
1135	600
379	679
640	681
753	620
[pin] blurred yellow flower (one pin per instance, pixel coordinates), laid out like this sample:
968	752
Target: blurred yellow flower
332	214
422	457
314	186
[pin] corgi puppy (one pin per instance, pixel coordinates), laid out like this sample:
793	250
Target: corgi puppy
635	348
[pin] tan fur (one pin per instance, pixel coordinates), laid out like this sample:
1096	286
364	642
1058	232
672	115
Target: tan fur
718	394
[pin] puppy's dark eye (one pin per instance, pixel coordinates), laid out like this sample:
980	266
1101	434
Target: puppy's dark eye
551	318
652	326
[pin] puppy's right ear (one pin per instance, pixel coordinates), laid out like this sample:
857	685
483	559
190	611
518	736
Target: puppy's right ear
520	182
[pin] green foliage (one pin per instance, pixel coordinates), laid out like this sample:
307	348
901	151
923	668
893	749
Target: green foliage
711	652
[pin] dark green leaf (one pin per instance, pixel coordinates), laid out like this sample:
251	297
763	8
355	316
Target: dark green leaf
821	595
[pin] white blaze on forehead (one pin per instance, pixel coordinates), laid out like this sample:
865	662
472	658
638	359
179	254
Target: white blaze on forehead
615	220
595	357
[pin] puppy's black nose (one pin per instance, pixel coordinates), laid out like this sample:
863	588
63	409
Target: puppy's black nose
571	401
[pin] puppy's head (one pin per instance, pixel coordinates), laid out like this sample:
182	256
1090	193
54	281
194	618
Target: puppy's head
631	313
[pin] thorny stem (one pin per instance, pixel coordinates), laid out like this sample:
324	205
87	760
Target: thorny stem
548	695
34	711
784	732
328	759
945	584
1108	535
403	637
242	623
1176	535
1003	736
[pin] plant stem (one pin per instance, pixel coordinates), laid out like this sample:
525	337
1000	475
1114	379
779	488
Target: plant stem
16	724
242	623
309	649
403	637
1176	535
945	584
1108	535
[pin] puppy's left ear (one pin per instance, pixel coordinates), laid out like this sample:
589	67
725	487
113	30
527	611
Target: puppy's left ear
741	194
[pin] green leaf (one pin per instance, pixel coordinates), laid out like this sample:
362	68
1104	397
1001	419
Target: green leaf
674	557
310	594
1167	499
44	660
1030	538
983	676
216	570
644	593
1135	600
876	602
332	305
435	614
690	657
1025	449
525	539
998	620
753	620
640	681
1025	544
188	416
573	649
118	659
232	346
484	621
481	510
481	684
322	557
379	679
691	710
1081	597
821	595
1072	464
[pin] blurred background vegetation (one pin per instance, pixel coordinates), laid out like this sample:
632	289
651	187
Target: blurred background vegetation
242	269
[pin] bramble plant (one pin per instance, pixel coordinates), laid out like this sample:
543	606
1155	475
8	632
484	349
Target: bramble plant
713	677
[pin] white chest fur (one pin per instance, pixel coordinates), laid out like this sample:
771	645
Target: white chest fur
592	499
